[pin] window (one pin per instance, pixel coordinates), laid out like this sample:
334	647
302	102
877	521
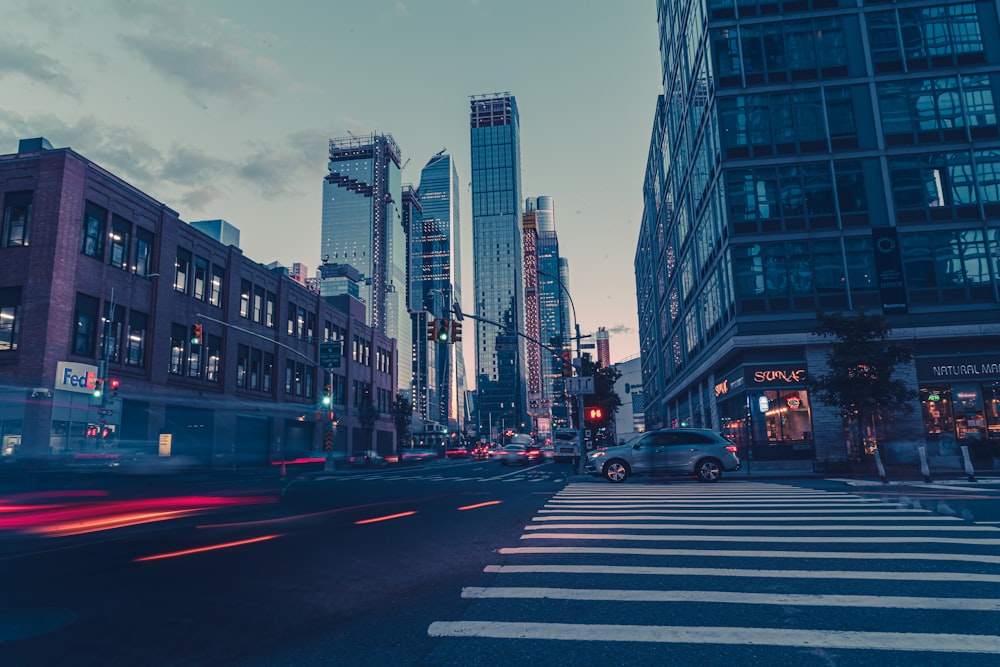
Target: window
10	304
255	370
215	288
119	241
242	361
182	270
94	220
111	333
178	338
267	372
16	219
258	304
269	309
245	289
200	278
143	251
85	326
135	345
213	357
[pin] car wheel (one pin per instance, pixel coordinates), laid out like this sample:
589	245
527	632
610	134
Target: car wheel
616	471
708	470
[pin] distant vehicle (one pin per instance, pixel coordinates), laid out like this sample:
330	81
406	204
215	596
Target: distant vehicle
566	443
511	454
698	452
415	455
457	452
366	458
481	452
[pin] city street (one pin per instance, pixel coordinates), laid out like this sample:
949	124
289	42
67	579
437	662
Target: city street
468	562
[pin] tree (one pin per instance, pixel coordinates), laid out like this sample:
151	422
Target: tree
402	413
862	361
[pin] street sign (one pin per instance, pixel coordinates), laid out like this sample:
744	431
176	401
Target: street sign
329	353
580	385
587	346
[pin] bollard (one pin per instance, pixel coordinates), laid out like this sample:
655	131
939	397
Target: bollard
923	465
969	470
881	468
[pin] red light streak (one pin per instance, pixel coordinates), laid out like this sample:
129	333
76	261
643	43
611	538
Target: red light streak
478	505
214	547
383	518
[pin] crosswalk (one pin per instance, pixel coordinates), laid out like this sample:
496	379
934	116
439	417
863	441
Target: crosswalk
798	574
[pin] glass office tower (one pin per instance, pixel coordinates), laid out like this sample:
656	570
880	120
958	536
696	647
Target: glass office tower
821	155
362	226
555	328
437	277
498	262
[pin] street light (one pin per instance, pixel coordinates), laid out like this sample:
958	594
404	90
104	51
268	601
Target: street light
579	361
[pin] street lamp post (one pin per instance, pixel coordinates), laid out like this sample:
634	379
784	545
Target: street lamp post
579	365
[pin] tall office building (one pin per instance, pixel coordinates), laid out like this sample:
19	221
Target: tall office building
554	325
822	155
437	280
603	348
498	261
534	352
362	226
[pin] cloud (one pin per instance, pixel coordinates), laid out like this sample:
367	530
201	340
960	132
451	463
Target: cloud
621	329
180	172
37	67
205	71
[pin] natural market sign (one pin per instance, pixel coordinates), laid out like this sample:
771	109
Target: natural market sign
960	368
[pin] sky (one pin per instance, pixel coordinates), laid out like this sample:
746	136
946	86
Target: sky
224	109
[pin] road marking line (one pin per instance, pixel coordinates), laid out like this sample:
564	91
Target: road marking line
728	519
722	572
726	597
894	511
745	553
760	538
715	506
972	528
829	639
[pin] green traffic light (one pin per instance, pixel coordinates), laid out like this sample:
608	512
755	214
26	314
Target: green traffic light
326	400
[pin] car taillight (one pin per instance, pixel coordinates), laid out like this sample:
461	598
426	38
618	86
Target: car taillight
731	448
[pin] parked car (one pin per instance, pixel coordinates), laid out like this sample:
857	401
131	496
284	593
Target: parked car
366	458
697	452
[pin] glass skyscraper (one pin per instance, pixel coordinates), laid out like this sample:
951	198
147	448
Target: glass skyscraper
821	155
498	261
362	226
554	324
437	279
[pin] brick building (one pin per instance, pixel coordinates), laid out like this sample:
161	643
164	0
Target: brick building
95	275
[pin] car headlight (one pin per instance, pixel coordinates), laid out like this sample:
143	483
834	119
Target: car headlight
594	455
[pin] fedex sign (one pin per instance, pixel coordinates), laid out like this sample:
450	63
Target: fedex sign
71	376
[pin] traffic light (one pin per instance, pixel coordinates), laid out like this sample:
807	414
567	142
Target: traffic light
444	331
196	334
567	370
432	330
456	331
327	396
98	388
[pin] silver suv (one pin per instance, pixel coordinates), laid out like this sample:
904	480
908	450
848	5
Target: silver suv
699	452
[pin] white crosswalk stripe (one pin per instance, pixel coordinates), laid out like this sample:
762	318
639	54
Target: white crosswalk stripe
702	549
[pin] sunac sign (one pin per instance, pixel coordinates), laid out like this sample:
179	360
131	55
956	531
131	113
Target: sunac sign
71	376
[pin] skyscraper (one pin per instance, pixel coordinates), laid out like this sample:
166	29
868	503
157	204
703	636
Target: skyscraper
362	226
835	161
437	279
603	348
498	260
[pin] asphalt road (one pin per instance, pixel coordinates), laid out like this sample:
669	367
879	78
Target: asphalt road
471	563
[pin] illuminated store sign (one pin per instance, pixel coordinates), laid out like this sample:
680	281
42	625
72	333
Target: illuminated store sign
71	376
966	367
778	375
